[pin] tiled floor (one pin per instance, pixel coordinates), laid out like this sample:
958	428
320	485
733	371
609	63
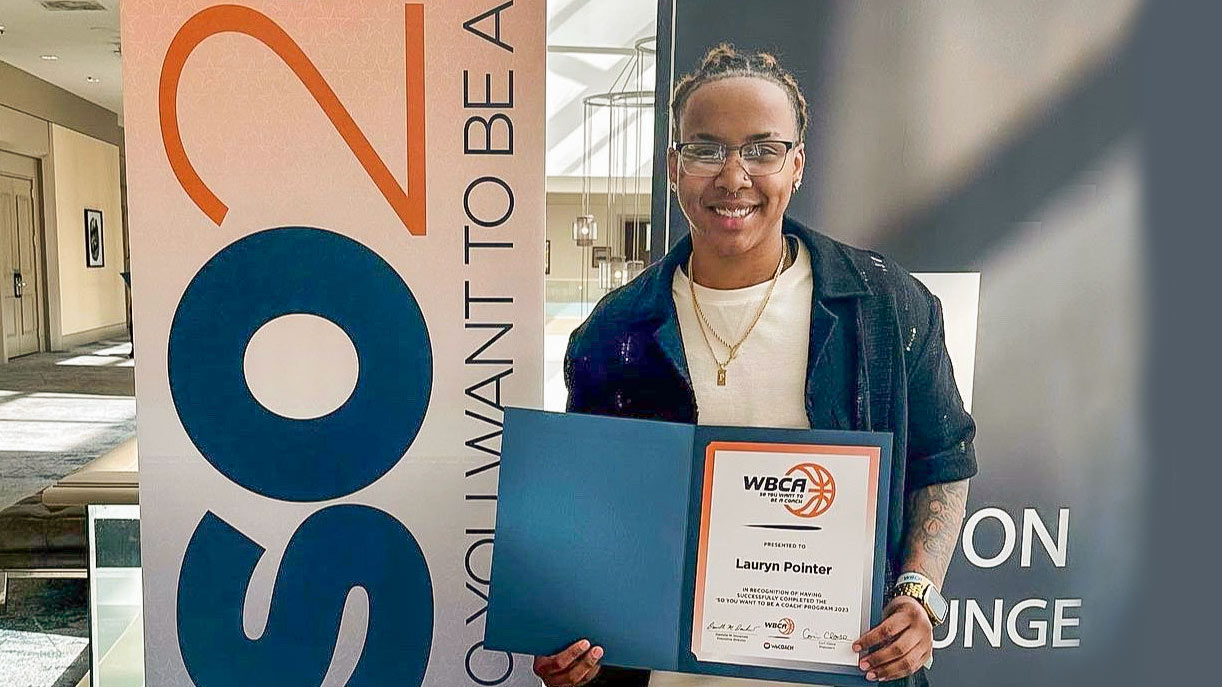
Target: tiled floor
57	412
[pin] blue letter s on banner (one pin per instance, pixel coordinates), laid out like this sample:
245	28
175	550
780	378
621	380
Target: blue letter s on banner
377	553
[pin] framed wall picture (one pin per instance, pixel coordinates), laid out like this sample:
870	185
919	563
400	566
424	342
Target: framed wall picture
600	254
95	252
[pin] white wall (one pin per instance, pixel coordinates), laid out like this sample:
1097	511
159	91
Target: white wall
91	301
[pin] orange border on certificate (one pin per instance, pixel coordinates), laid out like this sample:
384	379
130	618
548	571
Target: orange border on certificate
871	453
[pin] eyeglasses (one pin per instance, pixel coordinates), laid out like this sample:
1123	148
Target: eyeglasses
707	159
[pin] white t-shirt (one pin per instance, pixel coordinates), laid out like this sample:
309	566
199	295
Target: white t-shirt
765	383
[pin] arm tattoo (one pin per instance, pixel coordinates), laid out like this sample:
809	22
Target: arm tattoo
935	514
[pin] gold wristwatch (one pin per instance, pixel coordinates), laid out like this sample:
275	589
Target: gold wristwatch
923	590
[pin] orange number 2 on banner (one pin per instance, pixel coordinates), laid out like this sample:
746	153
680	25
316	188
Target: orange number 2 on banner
408	202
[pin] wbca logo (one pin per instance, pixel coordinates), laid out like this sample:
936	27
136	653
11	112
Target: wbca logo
806	490
785	626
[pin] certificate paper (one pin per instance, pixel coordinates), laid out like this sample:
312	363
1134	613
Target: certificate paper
785	563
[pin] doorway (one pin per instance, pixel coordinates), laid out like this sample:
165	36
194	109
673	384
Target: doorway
636	239
20	297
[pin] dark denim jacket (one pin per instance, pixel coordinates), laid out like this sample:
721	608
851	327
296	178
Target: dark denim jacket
877	362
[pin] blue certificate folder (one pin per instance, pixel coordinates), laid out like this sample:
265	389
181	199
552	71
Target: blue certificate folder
597	534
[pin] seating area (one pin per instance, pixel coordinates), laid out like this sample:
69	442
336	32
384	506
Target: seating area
44	535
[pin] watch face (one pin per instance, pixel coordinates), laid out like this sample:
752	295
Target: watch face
937	604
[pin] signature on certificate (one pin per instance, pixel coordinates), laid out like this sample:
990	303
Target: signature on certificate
731	627
808	633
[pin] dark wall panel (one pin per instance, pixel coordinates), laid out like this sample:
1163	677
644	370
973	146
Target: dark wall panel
1051	217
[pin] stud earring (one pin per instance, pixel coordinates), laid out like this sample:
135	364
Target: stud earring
797	185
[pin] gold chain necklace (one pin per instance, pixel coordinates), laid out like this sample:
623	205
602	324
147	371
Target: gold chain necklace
704	323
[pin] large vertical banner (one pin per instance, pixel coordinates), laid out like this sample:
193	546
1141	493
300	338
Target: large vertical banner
336	215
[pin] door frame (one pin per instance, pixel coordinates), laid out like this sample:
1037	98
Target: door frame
40	264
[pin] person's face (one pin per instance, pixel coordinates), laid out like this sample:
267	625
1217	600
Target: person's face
733	212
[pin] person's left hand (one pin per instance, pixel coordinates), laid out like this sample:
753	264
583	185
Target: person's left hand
900	644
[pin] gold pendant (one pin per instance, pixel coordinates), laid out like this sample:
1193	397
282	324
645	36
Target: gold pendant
721	376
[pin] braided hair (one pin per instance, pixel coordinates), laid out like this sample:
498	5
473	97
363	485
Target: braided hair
724	62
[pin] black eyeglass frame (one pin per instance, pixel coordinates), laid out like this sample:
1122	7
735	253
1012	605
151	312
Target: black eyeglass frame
725	154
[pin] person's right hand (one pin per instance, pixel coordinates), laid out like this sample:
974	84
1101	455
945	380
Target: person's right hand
576	665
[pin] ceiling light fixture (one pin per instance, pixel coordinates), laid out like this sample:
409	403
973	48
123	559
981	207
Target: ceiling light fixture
92	79
50	57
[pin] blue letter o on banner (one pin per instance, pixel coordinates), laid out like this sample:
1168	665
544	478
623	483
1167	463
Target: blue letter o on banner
279	272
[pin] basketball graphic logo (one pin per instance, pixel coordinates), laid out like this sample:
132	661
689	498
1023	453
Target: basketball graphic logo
787	626
820	490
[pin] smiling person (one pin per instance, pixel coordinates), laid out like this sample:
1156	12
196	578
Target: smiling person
757	320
